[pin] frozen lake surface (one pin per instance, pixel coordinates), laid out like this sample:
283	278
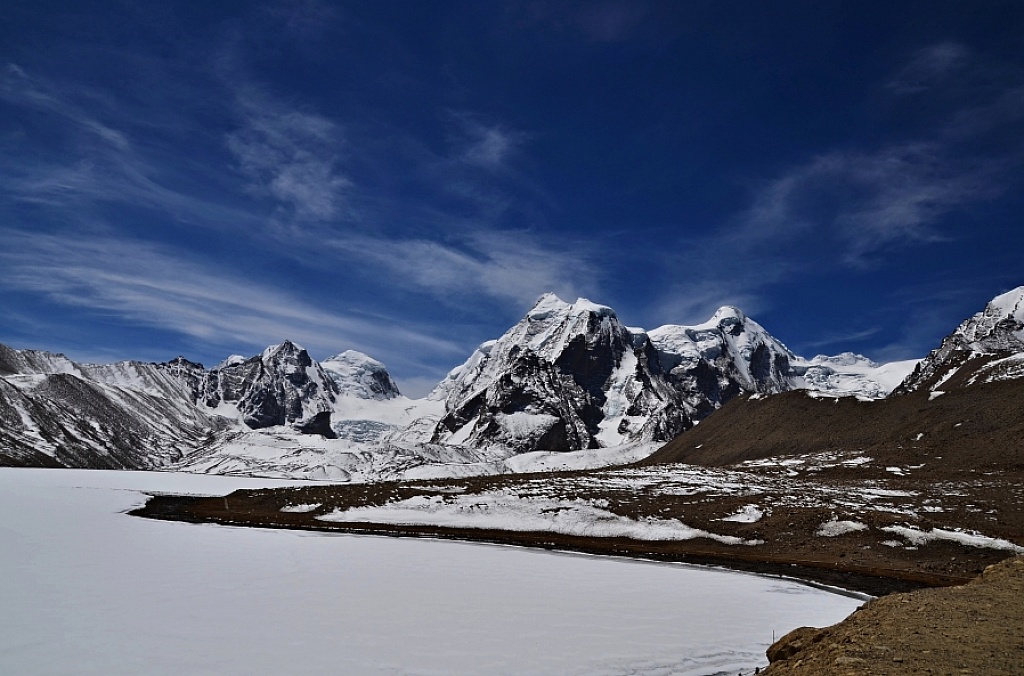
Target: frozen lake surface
86	589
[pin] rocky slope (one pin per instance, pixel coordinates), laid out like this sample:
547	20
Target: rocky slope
971	629
137	415
986	347
55	412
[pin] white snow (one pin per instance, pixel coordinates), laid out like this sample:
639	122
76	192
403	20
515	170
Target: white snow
301	509
748	514
510	512
89	590
834	528
971	538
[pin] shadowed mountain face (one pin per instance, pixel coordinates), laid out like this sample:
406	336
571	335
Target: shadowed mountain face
282	386
571	376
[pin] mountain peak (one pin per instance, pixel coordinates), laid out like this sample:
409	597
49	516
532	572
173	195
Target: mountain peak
727	313
549	305
287	347
1009	304
358	375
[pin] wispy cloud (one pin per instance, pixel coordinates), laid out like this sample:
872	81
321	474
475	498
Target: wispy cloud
18	88
849	209
507	266
155	286
862	202
289	155
929	68
97	163
842	339
483	145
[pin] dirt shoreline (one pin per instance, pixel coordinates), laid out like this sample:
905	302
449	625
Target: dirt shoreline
872	580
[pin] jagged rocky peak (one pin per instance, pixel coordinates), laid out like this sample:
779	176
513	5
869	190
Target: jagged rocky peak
565	377
986	347
358	375
281	386
728	354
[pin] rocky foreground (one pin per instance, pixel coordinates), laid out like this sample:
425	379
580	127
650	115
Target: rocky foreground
977	628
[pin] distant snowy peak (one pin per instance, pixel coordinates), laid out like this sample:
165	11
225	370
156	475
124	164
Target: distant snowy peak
565	377
990	345
358	375
744	355
850	374
281	386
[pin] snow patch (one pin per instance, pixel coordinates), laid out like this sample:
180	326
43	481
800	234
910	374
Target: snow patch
834	528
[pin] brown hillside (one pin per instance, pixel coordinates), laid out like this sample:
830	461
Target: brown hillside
978	427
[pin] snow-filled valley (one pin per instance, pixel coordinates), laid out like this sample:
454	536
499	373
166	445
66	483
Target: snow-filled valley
88	589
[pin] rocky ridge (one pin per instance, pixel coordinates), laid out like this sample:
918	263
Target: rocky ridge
986	347
568	376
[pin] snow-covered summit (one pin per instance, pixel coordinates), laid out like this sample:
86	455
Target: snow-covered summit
281	386
566	376
850	374
995	333
358	375
744	355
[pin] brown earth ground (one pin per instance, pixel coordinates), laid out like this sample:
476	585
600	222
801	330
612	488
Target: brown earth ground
977	628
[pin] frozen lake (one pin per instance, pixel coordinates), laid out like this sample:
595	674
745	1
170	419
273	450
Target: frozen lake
86	589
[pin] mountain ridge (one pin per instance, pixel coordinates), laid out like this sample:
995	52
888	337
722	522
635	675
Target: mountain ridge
568	376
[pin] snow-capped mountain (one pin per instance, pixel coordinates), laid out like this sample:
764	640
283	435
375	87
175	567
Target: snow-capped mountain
358	375
850	374
730	353
571	376
55	412
986	347
281	386
566	377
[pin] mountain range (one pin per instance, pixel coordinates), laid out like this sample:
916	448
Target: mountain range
567	378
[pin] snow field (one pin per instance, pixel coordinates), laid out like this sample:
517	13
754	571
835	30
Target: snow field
89	590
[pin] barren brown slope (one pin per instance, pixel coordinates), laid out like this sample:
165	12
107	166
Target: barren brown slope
977	628
979	427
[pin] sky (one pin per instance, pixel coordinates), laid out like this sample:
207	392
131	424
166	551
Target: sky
406	178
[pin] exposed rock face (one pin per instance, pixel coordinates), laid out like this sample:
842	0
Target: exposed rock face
135	415
357	375
127	415
566	377
282	386
711	363
990	345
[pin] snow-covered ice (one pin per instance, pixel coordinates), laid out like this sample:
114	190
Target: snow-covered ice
87	589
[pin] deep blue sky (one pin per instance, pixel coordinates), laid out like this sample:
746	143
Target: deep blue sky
405	178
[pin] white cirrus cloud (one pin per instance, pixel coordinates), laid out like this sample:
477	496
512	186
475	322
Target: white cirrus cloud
289	155
862	201
155	286
509	266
